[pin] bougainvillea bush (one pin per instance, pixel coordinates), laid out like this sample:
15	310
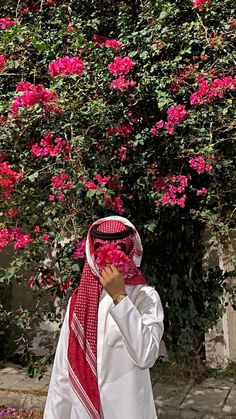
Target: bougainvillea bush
121	108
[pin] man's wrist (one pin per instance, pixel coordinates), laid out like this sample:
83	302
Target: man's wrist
117	298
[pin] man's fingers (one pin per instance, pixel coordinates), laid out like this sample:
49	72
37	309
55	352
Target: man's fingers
114	269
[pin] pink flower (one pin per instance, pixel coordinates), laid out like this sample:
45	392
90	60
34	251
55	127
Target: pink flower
11	212
115	204
199	4
37	229
5	23
202	191
51	197
80	249
33	95
2	62
90	185
176	115
50	145
22	240
209	90
65	66
199	164
113	43
121	66
8	180
46	237
61	181
102	180
110	254
121	83
172	189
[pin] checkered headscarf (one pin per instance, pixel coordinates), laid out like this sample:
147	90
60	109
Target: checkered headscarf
82	346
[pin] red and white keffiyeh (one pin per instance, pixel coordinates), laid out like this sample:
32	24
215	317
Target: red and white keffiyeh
83	316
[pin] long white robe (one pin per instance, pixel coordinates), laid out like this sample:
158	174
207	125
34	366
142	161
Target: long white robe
128	341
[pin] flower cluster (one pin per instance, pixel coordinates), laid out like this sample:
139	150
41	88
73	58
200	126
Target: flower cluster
199	164
50	146
11	212
80	249
121	83
8	235
8	179
124	130
121	66
5	23
2	62
60	183
116	204
209	90
65	66
34	94
103	181
175	115
172	190
110	254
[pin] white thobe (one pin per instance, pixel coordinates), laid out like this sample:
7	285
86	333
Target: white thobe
128	339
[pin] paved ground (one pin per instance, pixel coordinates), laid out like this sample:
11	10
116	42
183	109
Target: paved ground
212	399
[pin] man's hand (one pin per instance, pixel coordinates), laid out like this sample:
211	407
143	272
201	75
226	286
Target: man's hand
112	281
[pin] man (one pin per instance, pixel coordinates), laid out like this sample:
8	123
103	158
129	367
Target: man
110	336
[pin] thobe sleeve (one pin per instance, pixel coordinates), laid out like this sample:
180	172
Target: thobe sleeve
58	404
141	327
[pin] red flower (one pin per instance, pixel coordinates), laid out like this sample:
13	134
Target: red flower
12	212
110	254
113	43
80	249
65	66
121	66
121	83
2	62
5	23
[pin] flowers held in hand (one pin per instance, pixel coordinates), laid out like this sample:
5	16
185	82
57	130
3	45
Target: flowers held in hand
110	254
66	66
